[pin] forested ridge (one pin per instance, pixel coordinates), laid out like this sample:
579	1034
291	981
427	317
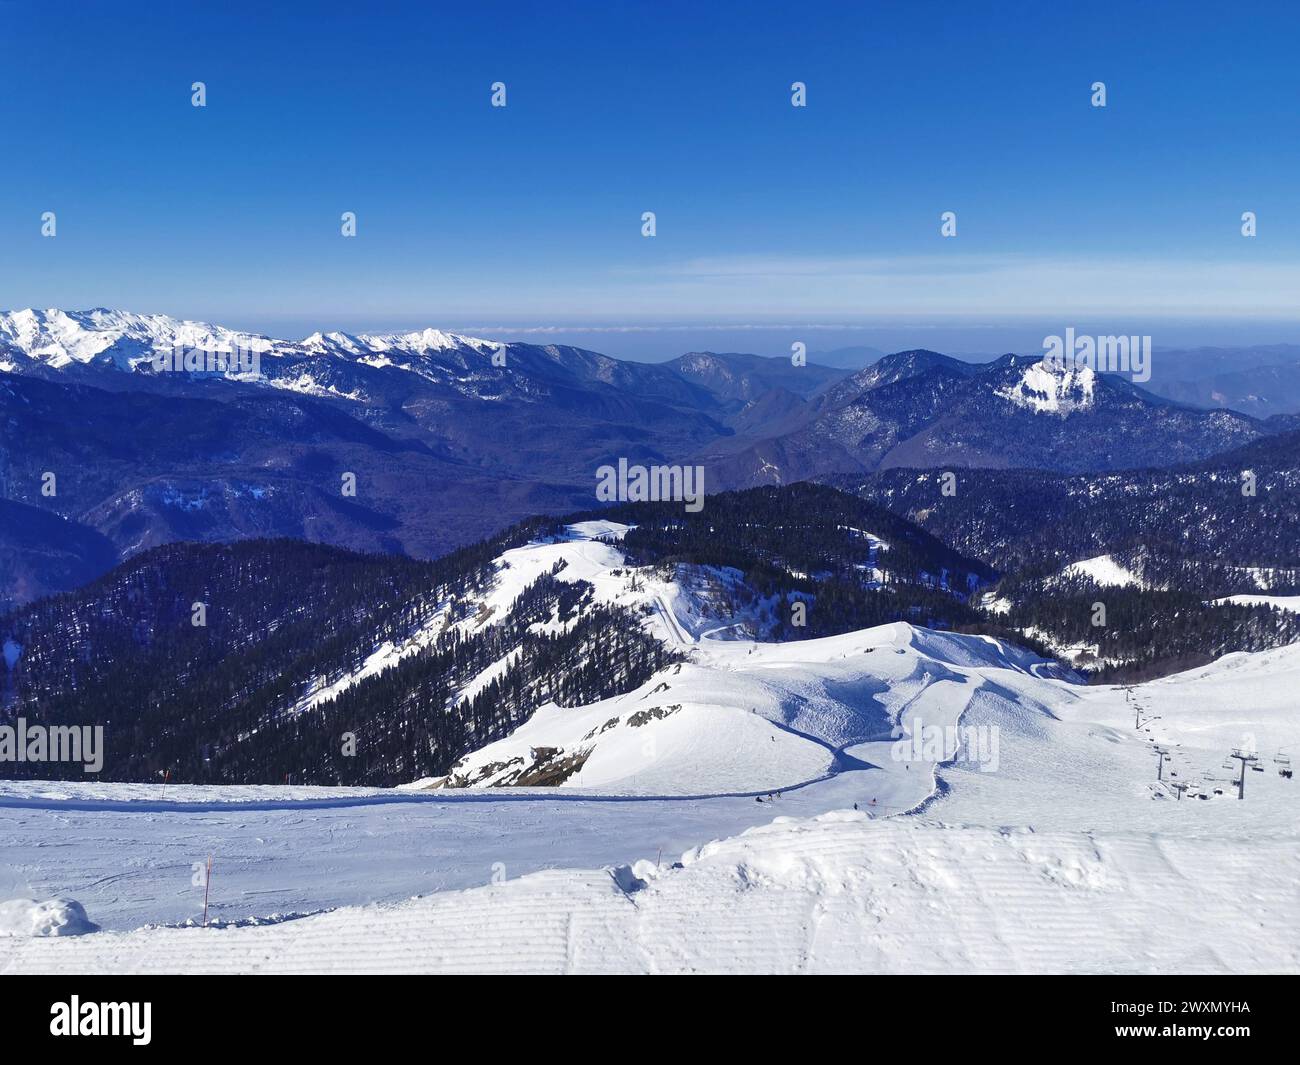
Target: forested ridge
851	562
1214	526
222	701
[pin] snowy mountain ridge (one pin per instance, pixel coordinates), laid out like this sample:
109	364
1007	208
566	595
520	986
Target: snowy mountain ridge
737	715
128	341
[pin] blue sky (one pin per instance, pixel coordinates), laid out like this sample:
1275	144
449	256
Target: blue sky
526	219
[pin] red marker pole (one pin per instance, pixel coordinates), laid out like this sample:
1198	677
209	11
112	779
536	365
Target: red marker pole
207	883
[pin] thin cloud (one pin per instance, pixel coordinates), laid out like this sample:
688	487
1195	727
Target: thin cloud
971	285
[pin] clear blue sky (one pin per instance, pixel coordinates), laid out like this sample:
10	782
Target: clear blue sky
529	216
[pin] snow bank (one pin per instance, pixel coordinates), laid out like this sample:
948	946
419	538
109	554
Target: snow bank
50	917
837	893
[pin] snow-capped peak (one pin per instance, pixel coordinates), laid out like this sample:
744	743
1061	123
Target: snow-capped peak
126	341
334	343
59	338
423	340
420	342
1047	387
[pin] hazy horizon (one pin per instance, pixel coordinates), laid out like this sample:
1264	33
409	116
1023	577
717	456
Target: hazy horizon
641	341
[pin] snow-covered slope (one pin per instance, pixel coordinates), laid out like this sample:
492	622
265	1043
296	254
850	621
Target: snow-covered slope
741	717
1068	856
1103	570
942	803
737	716
839	893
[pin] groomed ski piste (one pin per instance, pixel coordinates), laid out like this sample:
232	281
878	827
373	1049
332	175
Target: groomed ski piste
890	800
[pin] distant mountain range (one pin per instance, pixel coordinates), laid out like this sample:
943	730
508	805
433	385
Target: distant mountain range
854	357
1263	380
923	409
451	438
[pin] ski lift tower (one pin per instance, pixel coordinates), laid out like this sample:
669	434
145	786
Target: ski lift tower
1130	701
1245	758
1163	754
